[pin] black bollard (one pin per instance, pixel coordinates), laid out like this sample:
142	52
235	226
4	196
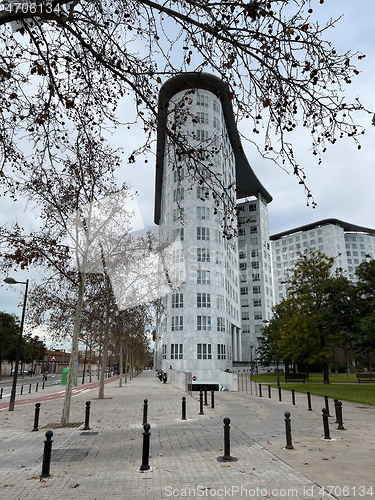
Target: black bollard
260	390
1	393
201	403
29	388
339	414
21	390
293	398
47	455
288	431
205	397
36	387
43	384
212	399
227	439
327	404
280	399
336	413
146	447
183	417
326	424
87	416
309	401
145	408
269	392
36	417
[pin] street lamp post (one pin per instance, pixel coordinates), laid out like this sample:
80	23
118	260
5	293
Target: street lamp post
12	281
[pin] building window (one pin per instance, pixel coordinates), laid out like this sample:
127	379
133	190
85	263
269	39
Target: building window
177	323
242	255
178	234
220	304
177	351
203	254
178	194
203	213
243	278
202	194
256	289
177	256
255	264
203	233
244	290
256	277
252	207
203	277
204	323
258	315
257	302
203	299
164	351
177	300
202	100
244	302
243	266
220	324
178	214
245	316
202	117
178	175
204	351
221	351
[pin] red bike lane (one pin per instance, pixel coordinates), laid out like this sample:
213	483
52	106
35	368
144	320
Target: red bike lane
77	391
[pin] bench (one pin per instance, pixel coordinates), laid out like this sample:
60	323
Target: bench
295	377
370	377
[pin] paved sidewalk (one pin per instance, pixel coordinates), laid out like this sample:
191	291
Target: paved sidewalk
104	462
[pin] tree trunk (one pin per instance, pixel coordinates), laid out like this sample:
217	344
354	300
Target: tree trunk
74	352
106	342
90	359
120	367
126	366
325	362
347	366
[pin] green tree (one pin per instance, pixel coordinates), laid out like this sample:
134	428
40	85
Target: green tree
308	321
364	335
9	332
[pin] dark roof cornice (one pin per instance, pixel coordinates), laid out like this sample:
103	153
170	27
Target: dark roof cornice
247	182
346	226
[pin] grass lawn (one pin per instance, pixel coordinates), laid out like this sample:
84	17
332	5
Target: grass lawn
339	388
317	378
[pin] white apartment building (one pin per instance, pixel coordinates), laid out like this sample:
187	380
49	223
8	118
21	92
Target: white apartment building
255	264
347	243
200	332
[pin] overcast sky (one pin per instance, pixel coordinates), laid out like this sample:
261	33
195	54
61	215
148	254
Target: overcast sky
343	186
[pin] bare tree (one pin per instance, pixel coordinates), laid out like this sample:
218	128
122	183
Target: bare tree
66	64
71	225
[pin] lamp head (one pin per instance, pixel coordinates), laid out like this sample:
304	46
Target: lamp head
10	281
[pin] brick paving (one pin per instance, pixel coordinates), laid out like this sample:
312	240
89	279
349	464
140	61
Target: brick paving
103	463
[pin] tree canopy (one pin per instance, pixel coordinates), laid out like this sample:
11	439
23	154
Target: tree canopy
66	65
315	315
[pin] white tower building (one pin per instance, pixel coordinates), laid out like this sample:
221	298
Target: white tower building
201	329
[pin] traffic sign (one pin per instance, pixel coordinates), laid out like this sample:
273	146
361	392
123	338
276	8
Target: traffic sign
53	358
194	378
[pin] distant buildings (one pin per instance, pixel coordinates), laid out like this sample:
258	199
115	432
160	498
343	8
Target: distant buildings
348	243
